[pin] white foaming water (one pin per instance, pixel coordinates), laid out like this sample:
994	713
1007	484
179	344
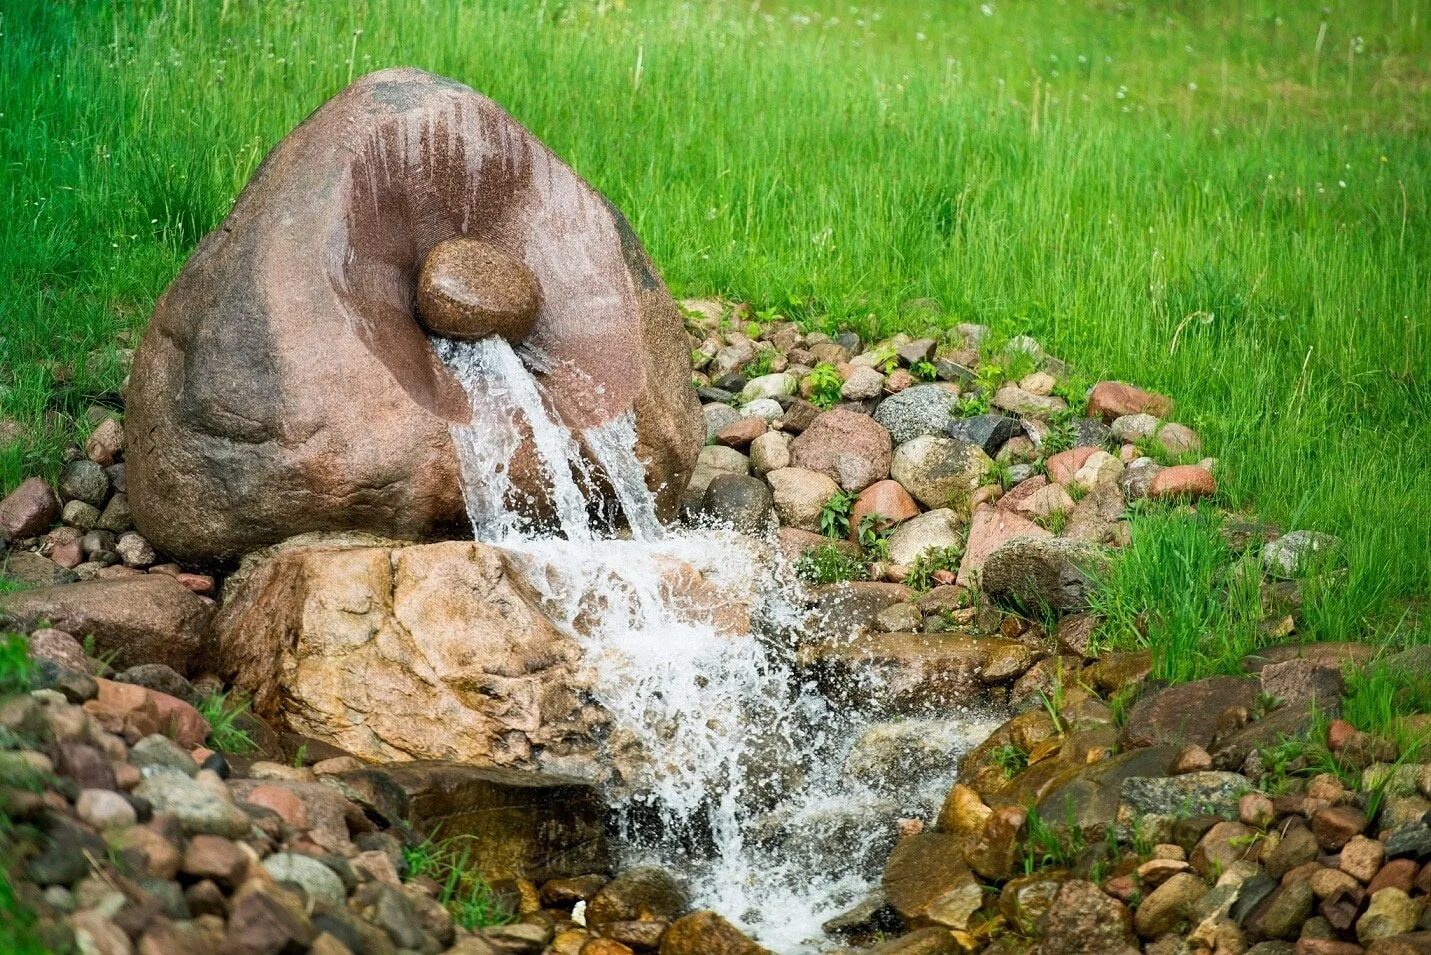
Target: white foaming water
723	764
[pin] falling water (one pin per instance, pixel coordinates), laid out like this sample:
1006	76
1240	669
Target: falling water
724	763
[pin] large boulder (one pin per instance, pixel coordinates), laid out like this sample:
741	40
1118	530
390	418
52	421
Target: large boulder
434	651
133	620
285	383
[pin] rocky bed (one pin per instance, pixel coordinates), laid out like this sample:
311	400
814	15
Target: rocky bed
952	503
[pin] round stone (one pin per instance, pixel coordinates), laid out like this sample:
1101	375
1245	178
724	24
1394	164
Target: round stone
470	289
320	882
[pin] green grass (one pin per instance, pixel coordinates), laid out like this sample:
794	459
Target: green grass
463	890
223	711
1225	202
828	564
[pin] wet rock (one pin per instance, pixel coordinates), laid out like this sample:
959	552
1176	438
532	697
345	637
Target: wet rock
741	432
916	411
470	289
1188	712
940	472
931	530
1110	400
1201	793
713	461
643	893
29	510
1089	797
706	933
744	503
1043	573
1168	905
1084	920
850	448
262	337
914	672
853	607
516	824
145	619
926	876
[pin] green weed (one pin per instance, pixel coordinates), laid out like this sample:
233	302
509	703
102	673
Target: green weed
825	384
835	515
223	711
462	889
828	565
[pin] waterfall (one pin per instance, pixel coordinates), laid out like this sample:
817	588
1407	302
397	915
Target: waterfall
725	766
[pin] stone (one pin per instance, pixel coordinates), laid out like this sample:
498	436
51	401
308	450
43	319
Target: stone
266	919
136	712
1293	555
117	517
899	618
851	448
1297	847
887	503
1302	680
157	676
105	443
160	750
1099	469
766	409
917	410
1110	400
145	619
744	503
852	607
914	673
712	461
862	384
938	471
469	289
1256	809
1183	481
1201	793
284	387
931	530
741	432
718	417
1063	466
1134	427
317	880
1412	841
58	647
1286	911
800	494
1335	826
770	452
105	809
134	550
84	480
458	661
1361	858
1089	796
1178	439
923	871
1025	403
80	515
199	808
29	510
989	529
1043	573
988	432
1084	920
1038	502
1168	905
1391	912
1186	713
216	858
1224	844
516	824
1137	478
769	386
706	933
643	893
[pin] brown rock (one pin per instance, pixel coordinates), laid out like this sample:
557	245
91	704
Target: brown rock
706	933
989	530
216	858
914	672
1064	465
887	501
105	443
1084	920
284	384
30	509
924	873
469	289
1182	481
266	919
850	448
1186	713
1114	399
1169	904
1396	874
1335	826
144	619
58	647
994	850
739	434
135	712
1224	844
1192	758
1362	858
457	659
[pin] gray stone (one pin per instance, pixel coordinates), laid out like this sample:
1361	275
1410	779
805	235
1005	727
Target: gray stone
932	529
81	515
917	410
1205	793
157	676
1294	554
1091	433
717	417
766	408
84	480
160	750
768	386
1137	478
1130	428
986	431
199	808
1040	573
939	471
799	495
134	550
715	460
743	502
320	882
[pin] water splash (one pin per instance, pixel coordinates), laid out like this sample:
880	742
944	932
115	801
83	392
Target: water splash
723	762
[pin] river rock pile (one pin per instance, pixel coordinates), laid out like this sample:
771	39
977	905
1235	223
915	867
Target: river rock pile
950	501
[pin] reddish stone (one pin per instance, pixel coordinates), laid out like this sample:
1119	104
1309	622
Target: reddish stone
199	583
1396	874
989	529
136	711
888	501
68	554
105	443
1021	492
1182	481
216	858
1335	826
1338	733
30	509
739	434
1114	399
1325	946
1064	465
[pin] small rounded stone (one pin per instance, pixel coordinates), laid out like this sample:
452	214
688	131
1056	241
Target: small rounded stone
470	289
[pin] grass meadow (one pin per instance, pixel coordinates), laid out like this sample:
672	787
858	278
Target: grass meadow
1227	202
